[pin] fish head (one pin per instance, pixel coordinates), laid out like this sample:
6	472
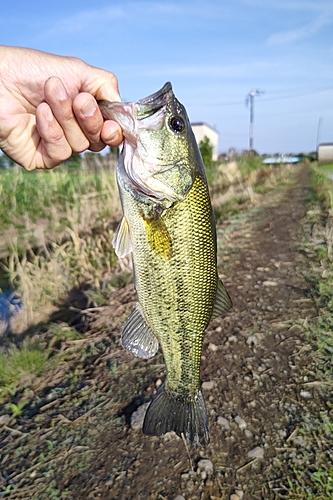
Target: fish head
159	150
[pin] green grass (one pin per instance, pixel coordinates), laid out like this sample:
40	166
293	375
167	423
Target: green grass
315	481
322	185
29	359
39	207
39	194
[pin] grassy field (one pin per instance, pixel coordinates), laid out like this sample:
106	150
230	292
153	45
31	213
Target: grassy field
56	232
57	226
56	242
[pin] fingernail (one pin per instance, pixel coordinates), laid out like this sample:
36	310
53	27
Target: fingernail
89	108
48	114
114	137
60	91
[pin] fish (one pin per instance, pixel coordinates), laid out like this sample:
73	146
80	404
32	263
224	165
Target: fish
169	227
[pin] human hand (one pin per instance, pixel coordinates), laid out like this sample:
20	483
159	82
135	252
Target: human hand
48	108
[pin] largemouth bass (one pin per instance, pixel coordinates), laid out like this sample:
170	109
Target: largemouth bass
168	226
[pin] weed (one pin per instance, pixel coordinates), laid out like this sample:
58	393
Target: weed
29	359
315	482
16	409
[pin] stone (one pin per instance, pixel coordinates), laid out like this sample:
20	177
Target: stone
256	452
179	497
298	440
208	386
138	417
206	465
305	394
241	422
158	383
253	340
240	494
4	419
223	422
213	347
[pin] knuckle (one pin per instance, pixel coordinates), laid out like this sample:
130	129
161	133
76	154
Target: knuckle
56	135
80	147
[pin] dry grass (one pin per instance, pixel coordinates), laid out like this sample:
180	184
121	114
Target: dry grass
60	236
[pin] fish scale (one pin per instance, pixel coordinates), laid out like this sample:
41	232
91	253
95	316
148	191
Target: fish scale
168	226
186	283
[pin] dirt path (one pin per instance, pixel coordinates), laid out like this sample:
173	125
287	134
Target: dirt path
259	382
255	365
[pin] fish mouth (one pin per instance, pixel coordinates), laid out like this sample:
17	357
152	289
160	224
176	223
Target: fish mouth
150	105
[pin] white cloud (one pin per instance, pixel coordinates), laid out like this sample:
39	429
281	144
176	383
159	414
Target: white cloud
84	21
233	71
311	6
305	31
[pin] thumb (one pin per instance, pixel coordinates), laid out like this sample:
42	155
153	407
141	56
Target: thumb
101	84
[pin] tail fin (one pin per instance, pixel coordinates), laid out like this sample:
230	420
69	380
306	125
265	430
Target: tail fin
170	411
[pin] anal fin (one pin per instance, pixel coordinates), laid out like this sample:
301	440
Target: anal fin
223	301
137	337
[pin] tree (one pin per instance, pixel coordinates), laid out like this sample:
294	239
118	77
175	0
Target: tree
206	150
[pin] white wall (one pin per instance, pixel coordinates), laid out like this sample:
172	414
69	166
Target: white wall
201	130
325	153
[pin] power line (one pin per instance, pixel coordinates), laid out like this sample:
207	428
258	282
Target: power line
279	98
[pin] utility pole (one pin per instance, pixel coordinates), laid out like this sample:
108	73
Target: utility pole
250	102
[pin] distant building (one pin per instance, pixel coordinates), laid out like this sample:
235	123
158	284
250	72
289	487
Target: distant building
202	130
325	152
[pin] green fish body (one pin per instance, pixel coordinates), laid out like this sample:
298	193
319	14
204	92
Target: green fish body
168	226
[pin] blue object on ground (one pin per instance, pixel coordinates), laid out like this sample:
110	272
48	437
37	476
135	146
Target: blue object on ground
10	305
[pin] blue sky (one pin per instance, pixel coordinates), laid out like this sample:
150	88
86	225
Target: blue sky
213	52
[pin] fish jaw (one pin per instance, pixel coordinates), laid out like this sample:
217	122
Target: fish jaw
155	158
141	177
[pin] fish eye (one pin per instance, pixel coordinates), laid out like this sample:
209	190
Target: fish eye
177	124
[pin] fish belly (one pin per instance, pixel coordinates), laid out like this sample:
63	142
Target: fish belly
176	281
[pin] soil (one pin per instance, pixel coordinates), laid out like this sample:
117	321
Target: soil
74	439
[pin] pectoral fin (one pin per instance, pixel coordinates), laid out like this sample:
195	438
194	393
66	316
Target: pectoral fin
158	237
137	337
222	300
122	242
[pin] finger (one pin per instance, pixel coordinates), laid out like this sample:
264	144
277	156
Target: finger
53	147
90	119
111	133
57	98
102	84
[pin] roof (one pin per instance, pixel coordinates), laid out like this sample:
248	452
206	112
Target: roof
198	124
